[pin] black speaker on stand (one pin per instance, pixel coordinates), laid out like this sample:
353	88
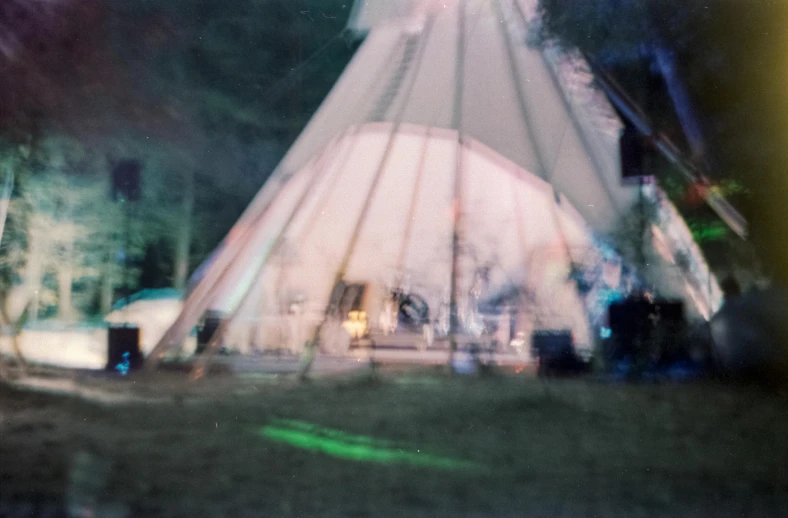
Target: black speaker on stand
126	180
211	322
556	353
636	154
123	353
632	149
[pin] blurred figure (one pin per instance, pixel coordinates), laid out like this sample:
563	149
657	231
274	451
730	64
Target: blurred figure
751	336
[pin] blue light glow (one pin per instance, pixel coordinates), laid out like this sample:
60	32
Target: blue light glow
123	367
605	332
606	297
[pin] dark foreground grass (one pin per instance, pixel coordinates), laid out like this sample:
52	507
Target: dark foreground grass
570	448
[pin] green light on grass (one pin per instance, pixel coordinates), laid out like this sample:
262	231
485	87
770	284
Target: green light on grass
356	447
329	433
407	380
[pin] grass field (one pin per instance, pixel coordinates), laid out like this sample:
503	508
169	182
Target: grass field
512	446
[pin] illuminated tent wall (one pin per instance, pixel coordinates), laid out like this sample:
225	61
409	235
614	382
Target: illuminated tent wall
447	145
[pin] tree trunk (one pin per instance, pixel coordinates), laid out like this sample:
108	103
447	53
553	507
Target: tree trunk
5	199
4	202
65	309
106	288
184	238
65	280
3	370
16	328
33	274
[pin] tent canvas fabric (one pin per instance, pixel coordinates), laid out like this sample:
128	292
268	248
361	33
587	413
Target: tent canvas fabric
447	148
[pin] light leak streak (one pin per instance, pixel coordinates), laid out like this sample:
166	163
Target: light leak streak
356	447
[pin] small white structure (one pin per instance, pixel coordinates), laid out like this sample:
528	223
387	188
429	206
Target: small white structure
61	345
84	346
153	311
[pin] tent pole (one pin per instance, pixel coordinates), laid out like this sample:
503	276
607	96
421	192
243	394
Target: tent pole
454	317
340	274
413	202
521	102
231	247
458	176
410	215
312	219
197	301
669	150
587	148
405	67
320	165
521	237
545	170
200	367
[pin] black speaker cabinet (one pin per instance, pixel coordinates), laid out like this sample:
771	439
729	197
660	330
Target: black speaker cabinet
123	348
626	317
210	325
552	344
126	183
633	151
668	311
556	354
635	321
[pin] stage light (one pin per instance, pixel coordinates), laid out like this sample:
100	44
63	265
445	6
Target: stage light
356	324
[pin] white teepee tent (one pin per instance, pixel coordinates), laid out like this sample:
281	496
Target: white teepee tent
448	152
